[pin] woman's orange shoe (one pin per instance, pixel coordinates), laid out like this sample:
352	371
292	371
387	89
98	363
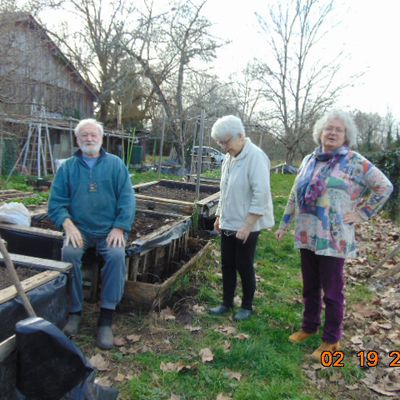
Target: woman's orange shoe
300	336
331	347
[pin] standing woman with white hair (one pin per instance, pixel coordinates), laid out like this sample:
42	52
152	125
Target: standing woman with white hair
245	207
334	188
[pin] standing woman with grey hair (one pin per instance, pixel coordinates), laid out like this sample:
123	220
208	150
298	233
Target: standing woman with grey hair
335	188
245	207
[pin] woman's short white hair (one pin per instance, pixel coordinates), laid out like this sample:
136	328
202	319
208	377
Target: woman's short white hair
88	121
227	126
343	116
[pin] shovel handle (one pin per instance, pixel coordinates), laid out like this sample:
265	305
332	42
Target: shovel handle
14	277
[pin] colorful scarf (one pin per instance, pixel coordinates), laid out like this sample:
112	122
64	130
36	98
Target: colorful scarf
310	189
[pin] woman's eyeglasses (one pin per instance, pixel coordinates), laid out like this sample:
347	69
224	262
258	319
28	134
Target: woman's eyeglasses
224	143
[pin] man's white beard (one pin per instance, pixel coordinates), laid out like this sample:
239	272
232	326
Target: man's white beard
90	151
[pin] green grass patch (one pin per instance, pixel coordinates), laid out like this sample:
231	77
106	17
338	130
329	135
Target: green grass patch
269	365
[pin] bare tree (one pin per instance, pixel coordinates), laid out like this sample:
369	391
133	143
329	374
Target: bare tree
248	93
390	130
298	84
369	125
165	45
95	48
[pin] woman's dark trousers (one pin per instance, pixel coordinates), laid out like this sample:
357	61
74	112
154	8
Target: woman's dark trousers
237	256
323	273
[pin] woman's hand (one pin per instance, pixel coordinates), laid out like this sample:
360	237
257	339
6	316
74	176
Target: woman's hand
217	227
352	217
243	233
280	233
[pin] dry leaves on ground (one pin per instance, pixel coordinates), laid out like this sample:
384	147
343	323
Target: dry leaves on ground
373	326
206	355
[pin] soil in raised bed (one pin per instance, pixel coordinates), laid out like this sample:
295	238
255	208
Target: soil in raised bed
145	223
171	193
22	272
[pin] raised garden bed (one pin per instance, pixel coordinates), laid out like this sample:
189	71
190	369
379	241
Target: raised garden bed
45	282
12	195
155	241
146	296
180	197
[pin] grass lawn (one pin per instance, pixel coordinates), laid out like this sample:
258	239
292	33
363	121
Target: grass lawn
256	361
250	360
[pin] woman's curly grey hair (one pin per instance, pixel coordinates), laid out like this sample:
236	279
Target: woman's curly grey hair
227	126
89	121
345	118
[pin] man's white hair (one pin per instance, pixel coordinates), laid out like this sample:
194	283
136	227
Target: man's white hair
89	121
343	116
227	126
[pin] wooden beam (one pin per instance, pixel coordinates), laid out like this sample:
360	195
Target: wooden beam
42	263
29	229
28	284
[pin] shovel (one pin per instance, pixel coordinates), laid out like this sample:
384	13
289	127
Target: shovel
49	364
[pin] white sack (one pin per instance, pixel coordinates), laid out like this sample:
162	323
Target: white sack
15	213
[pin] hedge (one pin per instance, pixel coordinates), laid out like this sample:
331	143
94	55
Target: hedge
389	163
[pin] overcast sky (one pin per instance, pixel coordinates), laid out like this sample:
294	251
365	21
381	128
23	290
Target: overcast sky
369	30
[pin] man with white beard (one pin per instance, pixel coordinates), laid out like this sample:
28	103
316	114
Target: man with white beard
92	200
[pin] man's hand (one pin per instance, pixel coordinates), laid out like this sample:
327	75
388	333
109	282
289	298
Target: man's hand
72	234
217	226
116	238
280	233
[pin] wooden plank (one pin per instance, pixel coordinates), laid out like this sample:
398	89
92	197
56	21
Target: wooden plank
7	347
209	199
171	208
133	268
28	284
27	261
163	200
144	185
31	230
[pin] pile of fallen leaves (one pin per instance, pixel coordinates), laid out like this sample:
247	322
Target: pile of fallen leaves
157	338
371	327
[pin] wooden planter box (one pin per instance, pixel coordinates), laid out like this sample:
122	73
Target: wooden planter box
152	195
149	255
146	296
47	291
49	273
